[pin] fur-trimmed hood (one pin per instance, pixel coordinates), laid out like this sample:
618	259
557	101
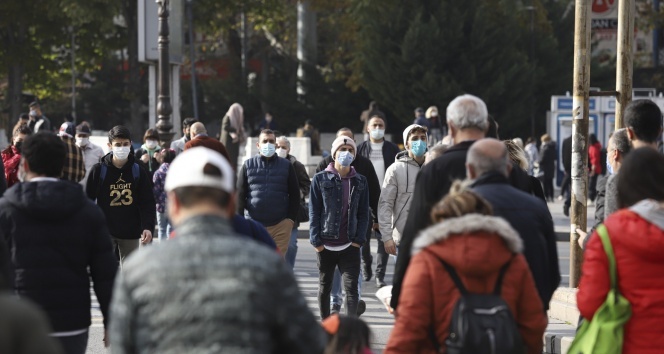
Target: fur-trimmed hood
480	242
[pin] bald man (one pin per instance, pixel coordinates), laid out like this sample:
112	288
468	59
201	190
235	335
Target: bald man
488	166
199	137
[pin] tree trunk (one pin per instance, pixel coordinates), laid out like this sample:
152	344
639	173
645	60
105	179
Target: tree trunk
15	40
135	121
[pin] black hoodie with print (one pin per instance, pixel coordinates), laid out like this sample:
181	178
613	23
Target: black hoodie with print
129	205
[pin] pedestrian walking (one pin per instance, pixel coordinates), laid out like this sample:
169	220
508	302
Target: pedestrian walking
38	121
74	167
437	124
199	137
532	154
398	187
11	155
547	165
636	234
165	157
382	154
304	183
92	153
488	168
178	145
146	155
123	191
481	252
268	190
58	241
595	162
339	218
232	132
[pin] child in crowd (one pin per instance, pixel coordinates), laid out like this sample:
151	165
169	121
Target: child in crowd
347	335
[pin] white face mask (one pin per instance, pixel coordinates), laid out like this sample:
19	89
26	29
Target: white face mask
82	141
151	144
282	152
121	152
377	133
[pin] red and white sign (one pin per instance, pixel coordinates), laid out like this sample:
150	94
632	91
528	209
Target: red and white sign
603	6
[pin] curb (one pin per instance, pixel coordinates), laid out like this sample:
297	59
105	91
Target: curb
564	318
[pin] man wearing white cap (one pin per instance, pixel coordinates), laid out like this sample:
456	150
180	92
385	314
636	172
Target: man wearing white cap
339	218
209	288
398	186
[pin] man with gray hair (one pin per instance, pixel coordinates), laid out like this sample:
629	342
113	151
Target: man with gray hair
467	119
488	167
607	187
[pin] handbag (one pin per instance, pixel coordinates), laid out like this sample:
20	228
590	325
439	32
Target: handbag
303	212
604	333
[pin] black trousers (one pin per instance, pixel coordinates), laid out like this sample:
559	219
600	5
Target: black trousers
381	262
592	187
74	344
348	262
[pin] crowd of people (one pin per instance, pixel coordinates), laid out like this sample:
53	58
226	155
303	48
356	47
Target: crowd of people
464	214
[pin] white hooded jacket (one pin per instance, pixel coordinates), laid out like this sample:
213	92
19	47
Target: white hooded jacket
395	196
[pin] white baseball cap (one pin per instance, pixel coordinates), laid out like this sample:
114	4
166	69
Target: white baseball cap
187	170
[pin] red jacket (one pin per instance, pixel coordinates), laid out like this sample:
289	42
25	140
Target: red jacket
595	157
638	246
476	246
11	159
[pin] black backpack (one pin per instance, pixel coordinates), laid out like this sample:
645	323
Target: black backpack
481	323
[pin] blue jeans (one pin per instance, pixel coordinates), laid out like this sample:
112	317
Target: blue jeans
292	249
336	296
163	226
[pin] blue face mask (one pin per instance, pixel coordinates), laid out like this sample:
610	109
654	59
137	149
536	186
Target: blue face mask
267	149
345	158
418	147
609	168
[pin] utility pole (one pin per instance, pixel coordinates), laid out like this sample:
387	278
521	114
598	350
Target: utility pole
306	45
192	55
624	60
164	108
580	122
73	73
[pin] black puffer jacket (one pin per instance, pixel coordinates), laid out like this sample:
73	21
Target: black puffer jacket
54	233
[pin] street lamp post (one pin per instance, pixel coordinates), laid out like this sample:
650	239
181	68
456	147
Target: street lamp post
164	108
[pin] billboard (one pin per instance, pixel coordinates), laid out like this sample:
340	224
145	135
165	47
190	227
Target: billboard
605	29
148	31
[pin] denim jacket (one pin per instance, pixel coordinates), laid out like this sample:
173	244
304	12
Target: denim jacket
324	208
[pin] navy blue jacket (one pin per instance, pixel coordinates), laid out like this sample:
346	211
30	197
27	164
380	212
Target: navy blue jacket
268	190
531	218
390	151
58	240
325	203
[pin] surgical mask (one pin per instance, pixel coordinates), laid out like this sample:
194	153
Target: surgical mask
151	144
82	141
282	152
609	168
345	158
33	114
377	134
418	147
121	152
267	149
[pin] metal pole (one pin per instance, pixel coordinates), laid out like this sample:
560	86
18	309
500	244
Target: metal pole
73	73
192	57
532	60
243	30
580	135
624	58
164	108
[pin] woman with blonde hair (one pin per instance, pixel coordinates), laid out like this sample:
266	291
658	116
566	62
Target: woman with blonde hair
232	132
477	247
